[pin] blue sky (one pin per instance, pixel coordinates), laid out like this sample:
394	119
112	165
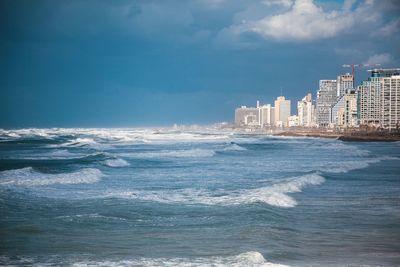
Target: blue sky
154	63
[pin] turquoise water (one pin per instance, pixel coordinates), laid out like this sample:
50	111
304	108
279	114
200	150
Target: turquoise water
202	197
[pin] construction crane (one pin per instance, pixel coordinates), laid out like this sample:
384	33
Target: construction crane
354	66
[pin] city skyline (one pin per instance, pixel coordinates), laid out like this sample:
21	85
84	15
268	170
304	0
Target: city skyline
339	103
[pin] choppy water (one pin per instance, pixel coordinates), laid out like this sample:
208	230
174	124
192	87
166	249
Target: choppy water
141	197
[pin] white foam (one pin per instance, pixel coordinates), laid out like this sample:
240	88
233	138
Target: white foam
274	195
350	165
29	177
189	153
116	163
234	147
89	136
247	259
57	154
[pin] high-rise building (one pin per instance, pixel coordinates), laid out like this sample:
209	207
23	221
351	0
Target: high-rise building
306	111
267	115
247	116
344	112
370	103
345	83
282	111
390	97
326	98
259	116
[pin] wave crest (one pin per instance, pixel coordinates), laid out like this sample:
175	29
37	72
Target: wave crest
29	177
251	258
189	153
274	195
116	163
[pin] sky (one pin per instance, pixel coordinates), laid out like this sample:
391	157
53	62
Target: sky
79	63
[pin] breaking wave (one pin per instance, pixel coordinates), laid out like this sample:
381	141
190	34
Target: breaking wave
29	177
190	153
246	259
234	147
350	165
274	195
116	163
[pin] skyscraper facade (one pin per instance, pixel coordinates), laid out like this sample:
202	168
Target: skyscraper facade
344	112
391	103
326	99
282	111
373	110
305	111
369	102
345	83
267	115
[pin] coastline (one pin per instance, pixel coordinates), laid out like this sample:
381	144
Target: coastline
349	137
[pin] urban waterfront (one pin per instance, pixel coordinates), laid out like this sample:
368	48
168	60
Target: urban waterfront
339	104
195	197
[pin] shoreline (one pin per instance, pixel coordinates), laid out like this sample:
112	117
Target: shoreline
348	137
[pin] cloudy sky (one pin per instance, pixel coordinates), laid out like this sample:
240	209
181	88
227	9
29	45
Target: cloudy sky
147	63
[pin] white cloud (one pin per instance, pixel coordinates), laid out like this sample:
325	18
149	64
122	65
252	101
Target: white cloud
384	58
304	21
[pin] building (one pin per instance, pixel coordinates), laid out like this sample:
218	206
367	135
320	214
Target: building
326	98
259	116
247	116
370	103
344	83
344	112
267	115
282	111
293	121
390	97
306	111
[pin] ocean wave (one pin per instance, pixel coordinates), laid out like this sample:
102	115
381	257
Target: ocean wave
83	142
234	147
116	163
246	259
251	258
346	166
189	153
274	195
123	135
29	177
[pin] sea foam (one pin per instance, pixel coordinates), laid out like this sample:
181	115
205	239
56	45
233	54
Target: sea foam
246	259
188	153
274	195
29	177
116	163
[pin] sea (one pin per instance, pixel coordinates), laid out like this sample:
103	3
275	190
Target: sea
195	196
